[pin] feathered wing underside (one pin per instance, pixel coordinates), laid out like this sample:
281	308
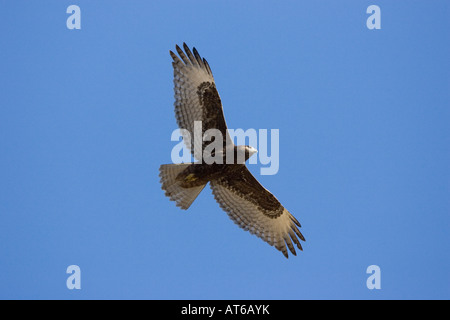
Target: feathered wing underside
196	99
256	210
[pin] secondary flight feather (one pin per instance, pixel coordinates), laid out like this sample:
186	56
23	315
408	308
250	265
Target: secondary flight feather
251	206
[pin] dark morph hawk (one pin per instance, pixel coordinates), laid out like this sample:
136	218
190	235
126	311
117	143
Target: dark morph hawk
237	191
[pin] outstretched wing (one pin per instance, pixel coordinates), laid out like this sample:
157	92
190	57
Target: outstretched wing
256	210
196	99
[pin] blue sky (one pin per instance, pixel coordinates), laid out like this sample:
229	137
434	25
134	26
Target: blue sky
86	118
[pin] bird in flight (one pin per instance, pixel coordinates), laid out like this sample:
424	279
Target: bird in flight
238	192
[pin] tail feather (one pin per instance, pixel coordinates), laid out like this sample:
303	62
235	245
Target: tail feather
182	196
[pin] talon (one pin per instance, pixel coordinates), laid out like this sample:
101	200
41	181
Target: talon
190	177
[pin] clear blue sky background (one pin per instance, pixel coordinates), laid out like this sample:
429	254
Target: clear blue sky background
86	117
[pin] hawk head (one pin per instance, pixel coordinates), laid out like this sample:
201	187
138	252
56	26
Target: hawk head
247	151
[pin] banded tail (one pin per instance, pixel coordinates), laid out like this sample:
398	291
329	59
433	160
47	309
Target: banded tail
172	187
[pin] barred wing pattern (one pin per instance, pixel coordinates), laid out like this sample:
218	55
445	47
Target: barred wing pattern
196	99
255	209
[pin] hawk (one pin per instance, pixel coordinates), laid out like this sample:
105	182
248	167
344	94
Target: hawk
238	192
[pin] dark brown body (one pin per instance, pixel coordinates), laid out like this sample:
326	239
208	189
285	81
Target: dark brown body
198	174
